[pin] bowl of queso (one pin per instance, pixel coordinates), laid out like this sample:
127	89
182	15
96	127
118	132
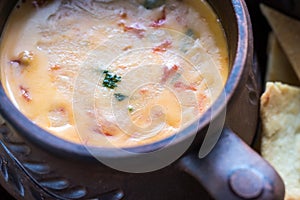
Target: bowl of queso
122	71
107	76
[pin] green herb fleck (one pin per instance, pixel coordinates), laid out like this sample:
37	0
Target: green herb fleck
151	4
111	80
187	41
120	97
130	108
190	33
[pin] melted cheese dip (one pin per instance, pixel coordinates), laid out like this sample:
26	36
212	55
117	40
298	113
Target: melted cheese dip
113	72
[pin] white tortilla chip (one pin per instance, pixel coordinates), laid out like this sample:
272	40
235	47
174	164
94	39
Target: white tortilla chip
280	114
287	31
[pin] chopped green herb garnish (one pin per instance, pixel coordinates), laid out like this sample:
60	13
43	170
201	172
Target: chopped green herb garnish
190	33
151	4
111	80
130	108
187	41
120	97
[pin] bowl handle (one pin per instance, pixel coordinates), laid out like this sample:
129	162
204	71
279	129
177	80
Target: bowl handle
232	170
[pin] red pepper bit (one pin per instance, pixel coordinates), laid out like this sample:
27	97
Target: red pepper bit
163	47
25	94
161	21
105	128
62	110
134	29
103	131
181	85
122	67
169	73
144	91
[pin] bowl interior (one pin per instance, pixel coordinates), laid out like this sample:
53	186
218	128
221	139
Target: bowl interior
234	22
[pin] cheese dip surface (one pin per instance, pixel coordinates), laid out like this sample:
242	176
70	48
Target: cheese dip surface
113	72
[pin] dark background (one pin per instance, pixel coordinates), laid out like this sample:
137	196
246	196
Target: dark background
260	32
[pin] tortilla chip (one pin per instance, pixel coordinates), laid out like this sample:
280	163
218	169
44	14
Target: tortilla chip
279	68
280	114
287	31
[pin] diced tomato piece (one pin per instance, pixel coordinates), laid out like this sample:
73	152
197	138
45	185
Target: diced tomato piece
169	73
122	67
144	91
61	110
158	23
106	133
181	85
103	131
135	28
163	47
106	128
161	21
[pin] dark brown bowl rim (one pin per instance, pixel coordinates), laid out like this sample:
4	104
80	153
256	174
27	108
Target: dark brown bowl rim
60	147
